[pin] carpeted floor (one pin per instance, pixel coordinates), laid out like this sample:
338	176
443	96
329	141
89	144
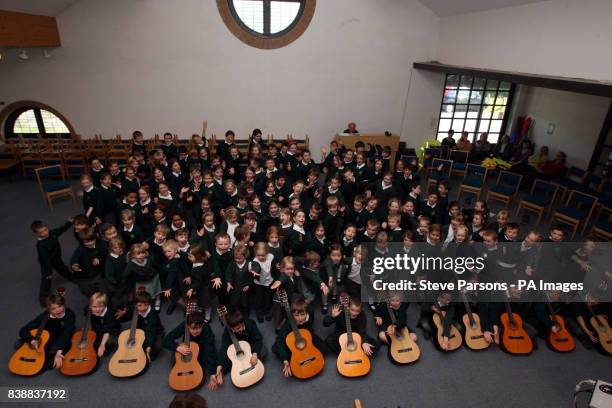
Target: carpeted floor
484	379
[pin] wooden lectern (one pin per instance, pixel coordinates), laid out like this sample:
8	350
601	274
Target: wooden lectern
374	139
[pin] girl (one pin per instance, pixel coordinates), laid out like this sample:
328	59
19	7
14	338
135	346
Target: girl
295	240
113	271
141	270
165	197
200	280
263	269
59	324
174	274
230	223
274	244
145	209
317	241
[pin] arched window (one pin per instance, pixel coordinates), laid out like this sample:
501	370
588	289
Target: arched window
267	23
33	119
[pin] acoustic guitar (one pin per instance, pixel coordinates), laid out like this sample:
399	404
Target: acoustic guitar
602	327
454	337
130	358
81	359
402	349
352	360
515	339
243	374
187	373
306	360
26	360
562	340
474	337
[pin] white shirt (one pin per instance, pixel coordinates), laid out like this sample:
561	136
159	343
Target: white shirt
299	229
265	274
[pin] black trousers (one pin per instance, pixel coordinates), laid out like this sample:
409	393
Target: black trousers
47	274
263	300
157	345
89	286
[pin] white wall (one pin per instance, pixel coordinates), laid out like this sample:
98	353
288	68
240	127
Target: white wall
558	37
577	120
159	65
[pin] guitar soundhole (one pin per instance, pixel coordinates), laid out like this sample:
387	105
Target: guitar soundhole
351	346
300	344
353	361
27	360
404	350
184	373
240	355
307	361
131	343
186	358
132	360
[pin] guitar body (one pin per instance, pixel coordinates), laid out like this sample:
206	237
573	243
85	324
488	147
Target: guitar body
186	375
515	339
128	361
402	349
306	360
474	337
352	360
27	361
604	333
562	340
454	338
81	359
243	374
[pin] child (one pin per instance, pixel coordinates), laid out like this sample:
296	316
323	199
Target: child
103	323
382	317
148	321
175	275
369	235
80	223
155	243
263	270
107	199
59	324
478	224
335	271
96	168
201	334
141	270
332	220
245	329
221	257
114	268
394	229
357	215
132	234
91	199
303	320
88	263
295	240
359	324
239	281
352	281
49	255
348	242
200	279
229	224
312	277
431	209
317	241
501	219
274	244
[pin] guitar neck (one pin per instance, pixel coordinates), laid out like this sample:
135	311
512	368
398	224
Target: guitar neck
509	312
133	325
41	327
391	314
294	327
468	309
86	327
187	336
349	329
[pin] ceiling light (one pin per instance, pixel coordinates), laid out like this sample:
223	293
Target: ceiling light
23	55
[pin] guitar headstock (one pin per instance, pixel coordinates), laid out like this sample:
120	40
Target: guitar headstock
61	291
190	307
282	295
344	300
221	310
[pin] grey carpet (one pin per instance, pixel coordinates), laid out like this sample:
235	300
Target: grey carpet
484	379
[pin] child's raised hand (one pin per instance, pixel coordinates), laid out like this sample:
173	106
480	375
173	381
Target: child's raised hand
229	287
167	292
189	293
216	283
335	311
378	321
275	285
120	313
200	232
187	280
255	274
76	267
145	210
95	262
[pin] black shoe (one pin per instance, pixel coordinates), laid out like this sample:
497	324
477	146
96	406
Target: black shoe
260	319
323	309
170	308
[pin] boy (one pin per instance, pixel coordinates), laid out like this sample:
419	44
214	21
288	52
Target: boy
49	255
303	320
221	258
131	233
357	215
114	268
348	242
148	321
174	274
107	199
332	220
201	334
245	329
103	323
431	209
91	198
239	280
359	324
383	320
88	263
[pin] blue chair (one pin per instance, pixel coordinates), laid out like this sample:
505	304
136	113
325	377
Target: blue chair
571	181
441	171
53	184
473	180
542	196
591	184
411	160
577	210
431	153
460	159
506	188
444	152
603	228
75	164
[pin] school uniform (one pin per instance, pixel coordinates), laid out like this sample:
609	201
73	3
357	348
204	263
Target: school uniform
153	329
359	325
205	340
240	278
102	324
358	218
280	349
334	225
220	263
251	335
91	199
399	315
49	253
261	284
145	275
89	278
295	241
201	285
60	332
172	274
131	236
320	246
107	204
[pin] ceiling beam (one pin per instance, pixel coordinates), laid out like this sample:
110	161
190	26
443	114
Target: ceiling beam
28	30
578	85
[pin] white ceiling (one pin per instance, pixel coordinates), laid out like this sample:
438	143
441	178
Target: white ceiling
445	8
40	7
